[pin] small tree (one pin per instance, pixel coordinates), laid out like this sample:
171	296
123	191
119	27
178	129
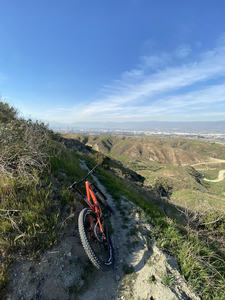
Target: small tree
162	187
7	113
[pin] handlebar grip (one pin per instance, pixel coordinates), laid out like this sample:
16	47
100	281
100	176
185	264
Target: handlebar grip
72	186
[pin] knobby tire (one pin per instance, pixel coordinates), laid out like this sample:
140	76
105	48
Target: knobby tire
100	264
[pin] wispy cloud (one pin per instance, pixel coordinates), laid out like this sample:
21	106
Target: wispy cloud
160	87
183	51
155	61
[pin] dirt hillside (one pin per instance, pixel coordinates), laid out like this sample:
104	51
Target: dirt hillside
163	150
141	270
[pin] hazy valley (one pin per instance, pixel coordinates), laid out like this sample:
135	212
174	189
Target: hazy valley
180	165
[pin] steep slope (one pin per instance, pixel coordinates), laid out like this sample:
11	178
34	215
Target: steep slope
35	169
142	271
172	167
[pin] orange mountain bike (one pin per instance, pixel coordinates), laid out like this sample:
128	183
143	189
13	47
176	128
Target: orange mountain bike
92	227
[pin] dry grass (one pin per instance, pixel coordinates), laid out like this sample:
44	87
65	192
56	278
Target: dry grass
35	169
24	147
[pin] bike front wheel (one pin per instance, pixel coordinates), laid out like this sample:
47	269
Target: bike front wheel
97	245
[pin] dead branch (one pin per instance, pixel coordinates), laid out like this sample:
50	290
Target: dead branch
214	221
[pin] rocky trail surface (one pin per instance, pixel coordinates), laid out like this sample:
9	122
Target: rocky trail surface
141	271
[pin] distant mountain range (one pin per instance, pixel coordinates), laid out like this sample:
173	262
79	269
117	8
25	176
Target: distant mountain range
154	126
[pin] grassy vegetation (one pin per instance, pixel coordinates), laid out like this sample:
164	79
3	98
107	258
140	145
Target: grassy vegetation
217	188
152	279
211	173
182	185
197	243
200	261
159	161
198	200
168	279
35	170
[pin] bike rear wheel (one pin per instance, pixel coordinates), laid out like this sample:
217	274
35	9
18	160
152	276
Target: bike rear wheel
97	245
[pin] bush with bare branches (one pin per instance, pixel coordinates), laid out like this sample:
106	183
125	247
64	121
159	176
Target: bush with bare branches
24	148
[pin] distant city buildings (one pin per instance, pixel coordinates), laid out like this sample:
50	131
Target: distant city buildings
127	132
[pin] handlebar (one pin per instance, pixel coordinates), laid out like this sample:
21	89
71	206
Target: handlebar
96	190
75	183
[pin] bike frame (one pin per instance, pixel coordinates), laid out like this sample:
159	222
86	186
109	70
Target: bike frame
93	203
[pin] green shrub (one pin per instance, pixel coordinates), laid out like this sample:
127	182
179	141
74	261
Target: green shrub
7	113
35	170
201	263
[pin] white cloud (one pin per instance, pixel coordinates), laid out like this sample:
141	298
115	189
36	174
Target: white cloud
155	61
157	89
210	66
133	74
202	101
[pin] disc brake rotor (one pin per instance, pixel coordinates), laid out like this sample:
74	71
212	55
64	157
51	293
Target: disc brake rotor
99	235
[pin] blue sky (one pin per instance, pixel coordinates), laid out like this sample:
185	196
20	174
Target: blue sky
113	61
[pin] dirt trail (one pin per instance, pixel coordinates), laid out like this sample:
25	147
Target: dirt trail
221	176
141	271
211	161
